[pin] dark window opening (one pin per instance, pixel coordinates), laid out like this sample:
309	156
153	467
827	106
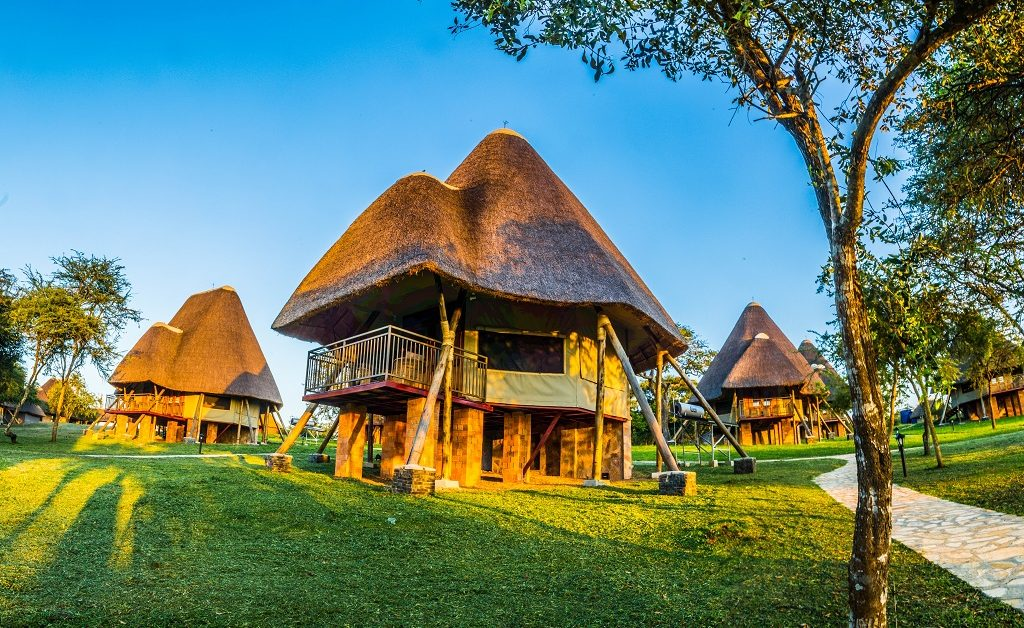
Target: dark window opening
217	403
523	352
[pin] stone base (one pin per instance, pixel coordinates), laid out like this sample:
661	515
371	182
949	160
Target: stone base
682	483
281	463
318	458
188	440
446	485
744	465
714	463
592	483
413	480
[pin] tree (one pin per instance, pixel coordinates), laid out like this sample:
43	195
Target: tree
12	374
101	294
776	56
983	349
40	313
79	403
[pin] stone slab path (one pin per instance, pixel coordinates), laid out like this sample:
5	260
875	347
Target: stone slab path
982	547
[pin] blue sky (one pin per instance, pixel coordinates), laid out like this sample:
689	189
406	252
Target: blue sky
233	144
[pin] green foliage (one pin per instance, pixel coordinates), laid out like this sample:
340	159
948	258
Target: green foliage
12	374
222	541
79	403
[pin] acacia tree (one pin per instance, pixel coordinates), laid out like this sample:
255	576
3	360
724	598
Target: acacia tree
12	375
777	55
78	401
101	294
40	313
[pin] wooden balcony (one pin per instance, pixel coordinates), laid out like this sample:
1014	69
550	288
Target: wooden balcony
1004	383
171	406
776	407
394	363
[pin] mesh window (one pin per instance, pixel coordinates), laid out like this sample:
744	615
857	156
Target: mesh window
522	352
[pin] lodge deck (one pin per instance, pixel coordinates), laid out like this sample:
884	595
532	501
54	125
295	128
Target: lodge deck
384	397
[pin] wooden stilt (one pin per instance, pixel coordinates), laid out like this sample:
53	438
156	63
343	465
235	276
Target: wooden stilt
638	392
329	434
707	407
447	347
659	404
602	349
296	431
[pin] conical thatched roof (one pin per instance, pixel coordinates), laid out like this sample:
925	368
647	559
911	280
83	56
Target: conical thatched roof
208	347
814	356
502	225
756	355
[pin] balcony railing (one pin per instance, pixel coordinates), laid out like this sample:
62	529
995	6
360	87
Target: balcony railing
1006	382
392	354
764	408
169	405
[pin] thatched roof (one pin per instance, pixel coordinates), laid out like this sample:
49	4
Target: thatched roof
814	356
502	225
29	408
757	355
208	347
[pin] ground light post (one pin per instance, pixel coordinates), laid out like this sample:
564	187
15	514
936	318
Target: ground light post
899	443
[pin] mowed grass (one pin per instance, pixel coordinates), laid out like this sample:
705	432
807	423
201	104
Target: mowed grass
913	432
87	541
984	472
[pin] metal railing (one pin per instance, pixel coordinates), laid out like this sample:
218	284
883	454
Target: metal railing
1006	382
170	405
392	354
764	408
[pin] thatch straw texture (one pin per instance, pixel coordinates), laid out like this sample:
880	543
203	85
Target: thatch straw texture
815	357
503	224
208	347
756	355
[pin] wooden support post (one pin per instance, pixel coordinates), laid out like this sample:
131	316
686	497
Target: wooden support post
543	441
602	349
707	407
446	444
659	404
369	440
296	431
638	392
447	347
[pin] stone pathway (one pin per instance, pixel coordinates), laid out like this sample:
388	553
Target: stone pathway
982	547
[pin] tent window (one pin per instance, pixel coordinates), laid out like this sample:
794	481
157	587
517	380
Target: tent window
217	403
523	353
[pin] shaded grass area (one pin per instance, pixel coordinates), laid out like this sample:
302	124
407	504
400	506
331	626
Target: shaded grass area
222	541
988	473
913	432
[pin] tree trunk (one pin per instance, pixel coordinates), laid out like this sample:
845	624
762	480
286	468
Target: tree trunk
929	425
59	410
872	536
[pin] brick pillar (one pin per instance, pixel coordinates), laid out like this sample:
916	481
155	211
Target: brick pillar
392	445
145	429
348	461
627	450
120	426
516	447
567	463
467	445
413	410
584	452
211	432
612	463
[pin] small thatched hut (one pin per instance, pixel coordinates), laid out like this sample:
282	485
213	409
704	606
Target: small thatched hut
765	385
201	374
506	245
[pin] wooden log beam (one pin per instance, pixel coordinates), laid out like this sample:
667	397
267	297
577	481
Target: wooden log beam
602	349
447	347
659	403
707	407
295	432
544	438
634	383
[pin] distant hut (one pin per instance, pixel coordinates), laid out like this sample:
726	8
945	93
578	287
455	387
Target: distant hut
29	413
506	245
762	383
1002	397
834	423
201	374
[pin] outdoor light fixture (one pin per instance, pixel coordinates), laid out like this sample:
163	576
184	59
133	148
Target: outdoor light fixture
899	443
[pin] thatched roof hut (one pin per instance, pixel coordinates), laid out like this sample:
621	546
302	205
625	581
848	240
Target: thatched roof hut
757	355
208	347
814	357
503	226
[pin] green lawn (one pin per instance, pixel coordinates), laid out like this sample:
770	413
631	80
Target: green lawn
222	541
947	434
987	473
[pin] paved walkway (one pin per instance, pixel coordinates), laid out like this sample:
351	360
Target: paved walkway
982	547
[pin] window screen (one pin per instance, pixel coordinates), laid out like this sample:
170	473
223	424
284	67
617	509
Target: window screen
523	352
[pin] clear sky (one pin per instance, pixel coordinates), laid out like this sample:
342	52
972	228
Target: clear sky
218	143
